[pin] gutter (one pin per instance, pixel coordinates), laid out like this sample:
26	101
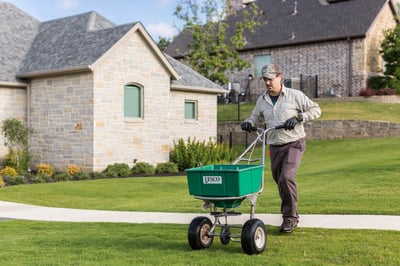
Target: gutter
186	88
13	84
54	72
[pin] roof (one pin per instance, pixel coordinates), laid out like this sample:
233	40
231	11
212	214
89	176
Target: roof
191	80
14	46
71	43
75	43
291	22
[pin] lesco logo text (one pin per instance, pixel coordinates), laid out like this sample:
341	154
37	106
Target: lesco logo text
212	179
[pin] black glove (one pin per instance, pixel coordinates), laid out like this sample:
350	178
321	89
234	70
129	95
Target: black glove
246	126
290	123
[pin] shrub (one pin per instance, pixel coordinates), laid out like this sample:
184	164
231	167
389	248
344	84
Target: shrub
168	167
97	175
117	170
16	136
386	91
37	179
15	180
367	92
143	168
2	183
62	177
192	153
8	171
45	169
73	169
81	176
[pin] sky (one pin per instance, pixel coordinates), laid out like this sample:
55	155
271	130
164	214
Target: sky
156	15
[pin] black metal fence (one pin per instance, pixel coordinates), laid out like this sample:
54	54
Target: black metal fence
237	104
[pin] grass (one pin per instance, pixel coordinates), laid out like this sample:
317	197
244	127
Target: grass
46	243
358	176
331	110
345	176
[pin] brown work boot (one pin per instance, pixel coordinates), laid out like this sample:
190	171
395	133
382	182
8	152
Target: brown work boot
288	225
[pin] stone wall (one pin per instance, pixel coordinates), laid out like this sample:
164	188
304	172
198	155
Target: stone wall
324	130
13	105
61	116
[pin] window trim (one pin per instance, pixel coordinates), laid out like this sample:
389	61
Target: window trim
195	112
141	114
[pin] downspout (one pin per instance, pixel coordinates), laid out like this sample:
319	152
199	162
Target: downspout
350	67
28	116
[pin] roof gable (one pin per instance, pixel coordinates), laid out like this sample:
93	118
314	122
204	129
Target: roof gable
293	22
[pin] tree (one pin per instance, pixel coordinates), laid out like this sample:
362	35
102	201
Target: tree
163	43
16	136
213	46
391	56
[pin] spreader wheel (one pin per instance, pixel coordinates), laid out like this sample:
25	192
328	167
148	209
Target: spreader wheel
198	233
225	235
253	237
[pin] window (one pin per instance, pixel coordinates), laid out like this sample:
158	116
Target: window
133	101
259	62
190	110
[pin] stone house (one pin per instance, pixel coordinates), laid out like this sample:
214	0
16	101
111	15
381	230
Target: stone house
96	93
333	43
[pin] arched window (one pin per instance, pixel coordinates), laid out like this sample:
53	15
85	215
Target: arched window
133	101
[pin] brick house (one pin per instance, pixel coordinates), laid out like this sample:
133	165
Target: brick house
96	93
335	42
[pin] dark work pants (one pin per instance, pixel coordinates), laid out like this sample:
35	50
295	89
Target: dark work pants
285	161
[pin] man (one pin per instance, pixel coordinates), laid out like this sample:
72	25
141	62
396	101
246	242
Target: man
291	108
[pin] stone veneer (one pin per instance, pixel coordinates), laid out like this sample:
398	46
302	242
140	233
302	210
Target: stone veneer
79	118
13	105
323	130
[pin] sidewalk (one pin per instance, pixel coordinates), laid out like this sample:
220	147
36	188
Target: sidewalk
17	211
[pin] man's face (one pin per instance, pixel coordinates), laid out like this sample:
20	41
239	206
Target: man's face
273	86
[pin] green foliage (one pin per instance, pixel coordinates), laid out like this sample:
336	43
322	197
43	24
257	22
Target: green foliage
18	159
15	180
192	153
163	43
62	177
391	54
16	136
117	170
81	176
168	167
143	168
378	82
97	175
211	52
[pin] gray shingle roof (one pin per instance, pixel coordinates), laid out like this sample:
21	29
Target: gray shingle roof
71	42
29	47
313	22
189	77
17	31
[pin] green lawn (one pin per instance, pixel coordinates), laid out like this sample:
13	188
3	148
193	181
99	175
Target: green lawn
331	110
357	176
47	243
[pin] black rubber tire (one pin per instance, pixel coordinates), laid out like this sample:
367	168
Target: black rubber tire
198	233
254	237
225	235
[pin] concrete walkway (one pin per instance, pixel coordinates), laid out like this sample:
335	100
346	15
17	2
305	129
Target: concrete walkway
17	211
